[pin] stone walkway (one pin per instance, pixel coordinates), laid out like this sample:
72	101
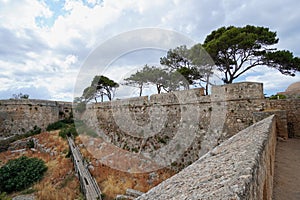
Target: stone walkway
287	170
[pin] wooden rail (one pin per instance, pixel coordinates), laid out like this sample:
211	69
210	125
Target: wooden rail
88	184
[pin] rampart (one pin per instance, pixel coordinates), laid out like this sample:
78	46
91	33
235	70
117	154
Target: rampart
150	125
20	116
242	167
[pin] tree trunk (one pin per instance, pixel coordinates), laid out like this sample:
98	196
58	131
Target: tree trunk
158	87
141	90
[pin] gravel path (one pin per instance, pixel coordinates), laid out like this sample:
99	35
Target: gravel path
287	170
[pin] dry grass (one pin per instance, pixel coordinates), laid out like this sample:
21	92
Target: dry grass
59	182
113	182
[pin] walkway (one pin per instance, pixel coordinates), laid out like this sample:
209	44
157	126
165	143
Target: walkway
88	184
287	170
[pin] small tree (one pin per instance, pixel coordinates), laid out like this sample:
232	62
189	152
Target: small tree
21	173
138	80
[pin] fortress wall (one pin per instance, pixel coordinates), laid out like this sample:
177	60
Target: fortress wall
144	124
20	116
242	167
292	108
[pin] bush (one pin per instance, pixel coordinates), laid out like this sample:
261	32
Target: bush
68	131
56	126
3	196
36	130
30	144
277	96
21	173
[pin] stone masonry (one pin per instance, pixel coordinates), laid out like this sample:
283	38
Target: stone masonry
240	168
150	125
20	116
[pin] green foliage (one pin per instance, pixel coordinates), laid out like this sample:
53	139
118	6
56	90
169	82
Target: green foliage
68	131
56	126
101	86
236	50
80	107
137	79
36	130
60	124
20	173
4	144
277	96
3	196
162	79
20	96
195	64
30	144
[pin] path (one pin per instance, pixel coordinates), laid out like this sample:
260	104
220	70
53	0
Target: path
87	182
287	170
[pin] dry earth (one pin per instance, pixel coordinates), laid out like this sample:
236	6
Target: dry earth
287	170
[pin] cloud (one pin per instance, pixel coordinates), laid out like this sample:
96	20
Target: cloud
272	79
44	43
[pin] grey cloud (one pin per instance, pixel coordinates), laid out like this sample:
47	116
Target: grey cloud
14	48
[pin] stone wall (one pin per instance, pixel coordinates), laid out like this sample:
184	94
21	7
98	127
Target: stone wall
292	108
150	125
242	167
20	116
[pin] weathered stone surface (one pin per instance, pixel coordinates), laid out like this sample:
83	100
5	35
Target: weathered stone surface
20	116
133	193
240	168
281	122
124	197
24	197
147	125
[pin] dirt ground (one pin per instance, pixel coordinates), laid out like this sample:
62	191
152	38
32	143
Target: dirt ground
287	170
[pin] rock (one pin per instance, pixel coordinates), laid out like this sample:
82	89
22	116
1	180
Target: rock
24	197
123	197
133	193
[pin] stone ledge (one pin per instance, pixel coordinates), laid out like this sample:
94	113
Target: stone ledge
240	168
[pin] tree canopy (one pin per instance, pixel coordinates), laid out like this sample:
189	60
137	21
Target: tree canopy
138	79
161	78
20	96
236	50
100	86
193	64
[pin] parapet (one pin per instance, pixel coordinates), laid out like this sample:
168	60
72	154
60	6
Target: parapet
238	91
242	167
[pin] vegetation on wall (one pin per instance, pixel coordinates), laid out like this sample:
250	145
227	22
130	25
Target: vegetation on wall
4	144
21	173
20	96
277	96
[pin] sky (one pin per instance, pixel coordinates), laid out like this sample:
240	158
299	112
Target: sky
46	45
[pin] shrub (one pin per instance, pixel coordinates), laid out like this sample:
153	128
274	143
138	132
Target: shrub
4	144
36	130
56	126
3	196
277	96
21	173
30	144
68	131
